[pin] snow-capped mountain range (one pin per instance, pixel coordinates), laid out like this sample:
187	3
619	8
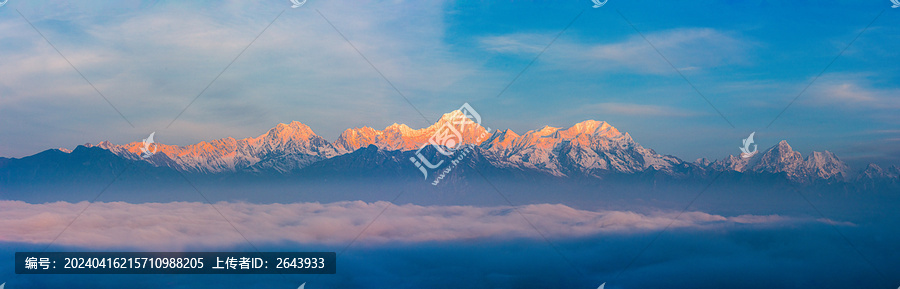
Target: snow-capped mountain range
589	148
781	158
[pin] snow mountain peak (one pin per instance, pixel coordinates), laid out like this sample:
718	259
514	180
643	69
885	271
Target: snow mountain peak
588	148
285	133
402	137
781	158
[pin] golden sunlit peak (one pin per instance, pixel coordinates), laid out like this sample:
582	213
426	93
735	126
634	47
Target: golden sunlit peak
591	127
399	126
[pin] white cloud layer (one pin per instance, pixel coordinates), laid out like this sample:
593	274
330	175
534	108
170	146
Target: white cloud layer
179	225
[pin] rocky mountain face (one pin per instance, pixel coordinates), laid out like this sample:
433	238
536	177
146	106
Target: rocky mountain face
874	172
401	137
586	149
781	158
283	148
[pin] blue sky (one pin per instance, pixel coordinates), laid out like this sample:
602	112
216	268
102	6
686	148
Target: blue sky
749	58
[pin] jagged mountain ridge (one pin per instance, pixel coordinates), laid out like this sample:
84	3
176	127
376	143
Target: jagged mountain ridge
585	148
873	171
589	148
781	158
402	137
283	148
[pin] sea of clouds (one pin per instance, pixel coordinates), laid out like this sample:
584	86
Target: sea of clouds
178	225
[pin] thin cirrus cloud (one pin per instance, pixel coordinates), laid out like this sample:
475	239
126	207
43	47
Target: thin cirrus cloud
633	109
179	225
852	91
689	49
862	99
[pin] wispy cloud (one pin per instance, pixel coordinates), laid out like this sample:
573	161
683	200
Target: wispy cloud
690	49
519	43
852	91
634	109
182	224
152	62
